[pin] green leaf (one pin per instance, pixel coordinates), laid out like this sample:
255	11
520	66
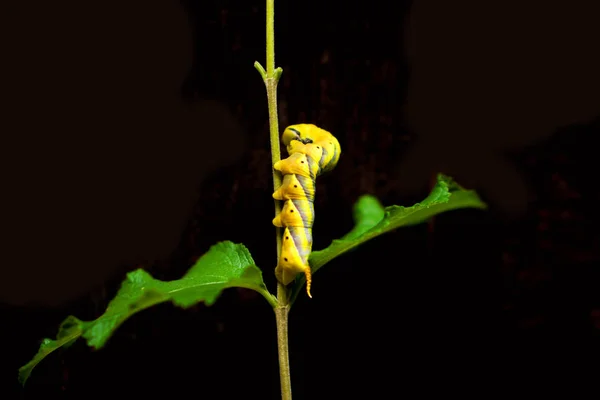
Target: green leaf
368	211
372	220
225	265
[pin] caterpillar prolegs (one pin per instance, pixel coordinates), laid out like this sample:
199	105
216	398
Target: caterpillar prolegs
312	151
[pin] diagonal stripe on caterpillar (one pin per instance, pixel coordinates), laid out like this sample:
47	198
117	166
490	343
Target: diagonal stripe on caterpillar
312	152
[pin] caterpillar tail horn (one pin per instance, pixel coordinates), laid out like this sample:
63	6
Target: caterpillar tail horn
308	275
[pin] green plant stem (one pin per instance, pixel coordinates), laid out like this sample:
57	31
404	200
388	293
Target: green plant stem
271	37
271	77
281	316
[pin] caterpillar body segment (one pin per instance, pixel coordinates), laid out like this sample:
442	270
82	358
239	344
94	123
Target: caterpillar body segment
312	152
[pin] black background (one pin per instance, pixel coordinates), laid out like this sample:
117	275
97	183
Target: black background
135	133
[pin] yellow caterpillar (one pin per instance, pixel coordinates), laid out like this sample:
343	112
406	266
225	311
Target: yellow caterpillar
312	151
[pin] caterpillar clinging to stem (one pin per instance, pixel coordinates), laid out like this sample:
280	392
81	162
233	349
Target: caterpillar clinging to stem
312	151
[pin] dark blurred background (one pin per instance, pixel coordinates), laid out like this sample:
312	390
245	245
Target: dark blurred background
136	134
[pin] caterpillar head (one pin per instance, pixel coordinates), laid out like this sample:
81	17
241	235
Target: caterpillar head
315	142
